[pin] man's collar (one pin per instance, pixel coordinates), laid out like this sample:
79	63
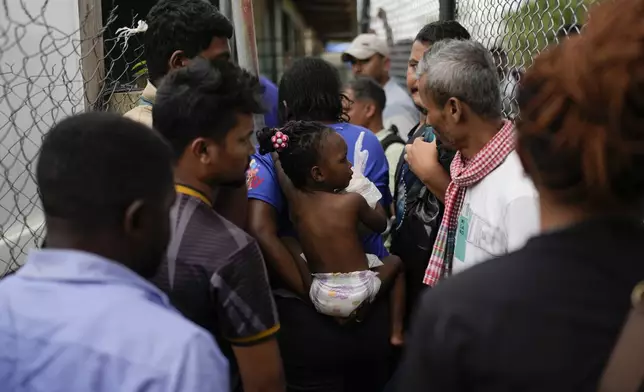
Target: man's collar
77	266
149	94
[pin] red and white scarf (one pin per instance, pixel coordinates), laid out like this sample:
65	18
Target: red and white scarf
464	175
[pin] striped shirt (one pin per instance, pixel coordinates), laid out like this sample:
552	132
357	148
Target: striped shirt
215	275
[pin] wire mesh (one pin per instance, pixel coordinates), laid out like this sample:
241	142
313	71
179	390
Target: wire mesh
516	30
42	80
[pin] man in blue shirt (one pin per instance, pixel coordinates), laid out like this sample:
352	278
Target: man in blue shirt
80	315
311	90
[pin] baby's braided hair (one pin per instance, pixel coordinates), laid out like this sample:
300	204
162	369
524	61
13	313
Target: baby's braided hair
302	150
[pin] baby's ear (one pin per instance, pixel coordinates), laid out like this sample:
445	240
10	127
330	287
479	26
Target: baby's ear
316	174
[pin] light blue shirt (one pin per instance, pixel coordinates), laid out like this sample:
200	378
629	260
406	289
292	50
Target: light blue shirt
75	322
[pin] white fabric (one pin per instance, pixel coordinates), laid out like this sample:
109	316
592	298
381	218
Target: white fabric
498	216
125	33
399	109
339	295
359	183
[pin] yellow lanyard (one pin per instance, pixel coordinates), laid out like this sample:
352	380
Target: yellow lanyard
194	193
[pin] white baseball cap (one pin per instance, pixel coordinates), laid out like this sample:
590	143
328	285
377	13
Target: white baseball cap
364	46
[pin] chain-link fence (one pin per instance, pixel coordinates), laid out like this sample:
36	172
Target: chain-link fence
514	30
53	63
59	57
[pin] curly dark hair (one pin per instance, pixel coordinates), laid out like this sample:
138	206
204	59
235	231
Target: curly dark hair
581	132
312	91
187	25
303	150
202	100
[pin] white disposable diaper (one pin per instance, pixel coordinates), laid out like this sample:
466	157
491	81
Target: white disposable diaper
339	295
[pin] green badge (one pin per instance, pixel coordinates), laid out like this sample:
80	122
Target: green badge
461	234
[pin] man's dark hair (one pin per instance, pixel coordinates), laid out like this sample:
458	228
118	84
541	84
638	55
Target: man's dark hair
366	88
568	30
438	31
187	25
311	89
203	100
93	166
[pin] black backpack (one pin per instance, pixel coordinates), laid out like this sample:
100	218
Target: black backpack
392	138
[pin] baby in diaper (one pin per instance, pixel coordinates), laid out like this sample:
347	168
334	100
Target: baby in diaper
314	173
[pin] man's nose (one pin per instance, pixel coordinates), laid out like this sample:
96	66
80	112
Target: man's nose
356	68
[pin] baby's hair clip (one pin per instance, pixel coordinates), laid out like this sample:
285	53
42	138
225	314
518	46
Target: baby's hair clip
280	141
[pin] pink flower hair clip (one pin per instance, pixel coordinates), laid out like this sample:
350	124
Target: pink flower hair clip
280	141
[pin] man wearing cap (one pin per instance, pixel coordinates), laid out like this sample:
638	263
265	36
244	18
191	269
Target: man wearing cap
369	56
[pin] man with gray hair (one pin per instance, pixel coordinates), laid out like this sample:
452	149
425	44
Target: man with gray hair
491	207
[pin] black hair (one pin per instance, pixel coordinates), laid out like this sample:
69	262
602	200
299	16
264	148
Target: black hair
203	100
187	25
440	30
93	166
311	89
366	88
568	30
305	140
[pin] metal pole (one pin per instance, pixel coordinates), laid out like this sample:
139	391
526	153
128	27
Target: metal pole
246	42
226	9
447	10
365	17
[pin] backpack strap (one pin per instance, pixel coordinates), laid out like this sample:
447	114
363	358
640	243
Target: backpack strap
392	138
625	369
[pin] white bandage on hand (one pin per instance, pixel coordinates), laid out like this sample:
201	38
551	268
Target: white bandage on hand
359	183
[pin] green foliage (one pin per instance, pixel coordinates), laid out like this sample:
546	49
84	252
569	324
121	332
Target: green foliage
535	24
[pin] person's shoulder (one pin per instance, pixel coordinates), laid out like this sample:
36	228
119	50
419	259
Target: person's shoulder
351	132
513	180
217	236
140	114
267	83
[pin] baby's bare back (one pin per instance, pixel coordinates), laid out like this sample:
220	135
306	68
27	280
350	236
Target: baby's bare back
327	226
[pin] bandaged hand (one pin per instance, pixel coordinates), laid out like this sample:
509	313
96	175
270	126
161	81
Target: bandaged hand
359	183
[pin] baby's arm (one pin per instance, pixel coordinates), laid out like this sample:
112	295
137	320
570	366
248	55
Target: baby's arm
371	218
285	182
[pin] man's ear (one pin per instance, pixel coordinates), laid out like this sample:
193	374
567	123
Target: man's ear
387	63
455	109
177	60
203	149
370	110
134	218
316	174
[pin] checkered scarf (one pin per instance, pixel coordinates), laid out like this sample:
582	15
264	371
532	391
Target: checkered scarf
464	175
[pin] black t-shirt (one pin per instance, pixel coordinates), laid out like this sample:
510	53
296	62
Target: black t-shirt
215	275
544	318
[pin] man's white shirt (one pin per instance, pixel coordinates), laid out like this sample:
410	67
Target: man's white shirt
499	214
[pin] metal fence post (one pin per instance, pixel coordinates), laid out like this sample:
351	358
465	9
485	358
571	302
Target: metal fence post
246	42
447	10
365	17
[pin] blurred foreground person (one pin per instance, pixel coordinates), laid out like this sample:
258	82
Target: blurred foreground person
80	315
546	317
